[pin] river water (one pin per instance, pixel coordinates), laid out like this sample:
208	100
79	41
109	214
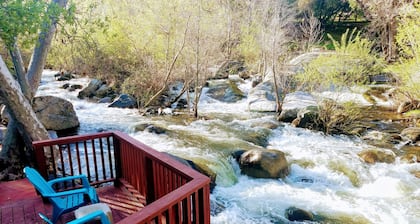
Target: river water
326	176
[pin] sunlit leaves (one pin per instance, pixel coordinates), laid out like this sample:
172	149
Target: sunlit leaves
408	41
408	36
352	63
24	18
18	17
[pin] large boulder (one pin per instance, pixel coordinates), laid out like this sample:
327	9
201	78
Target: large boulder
224	91
297	214
372	156
55	113
307	118
262	98
263	163
174	96
411	134
228	68
410	154
103	91
90	90
124	101
150	128
293	103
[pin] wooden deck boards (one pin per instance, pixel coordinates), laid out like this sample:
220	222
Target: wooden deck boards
19	203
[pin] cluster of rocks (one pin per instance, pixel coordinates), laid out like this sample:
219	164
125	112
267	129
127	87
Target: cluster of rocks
100	92
385	134
301	109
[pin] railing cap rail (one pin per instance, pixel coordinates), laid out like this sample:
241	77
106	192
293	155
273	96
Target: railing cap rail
156	155
71	139
159	206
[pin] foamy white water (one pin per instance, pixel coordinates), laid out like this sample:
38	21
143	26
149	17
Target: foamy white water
327	177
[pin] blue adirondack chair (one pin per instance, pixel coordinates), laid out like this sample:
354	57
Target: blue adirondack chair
87	218
63	201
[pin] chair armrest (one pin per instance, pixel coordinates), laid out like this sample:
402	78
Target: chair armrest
96	214
65	193
84	179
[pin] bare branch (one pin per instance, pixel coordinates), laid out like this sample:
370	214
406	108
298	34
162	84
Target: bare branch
170	69
20	70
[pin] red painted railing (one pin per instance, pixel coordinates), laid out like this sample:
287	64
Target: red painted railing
174	192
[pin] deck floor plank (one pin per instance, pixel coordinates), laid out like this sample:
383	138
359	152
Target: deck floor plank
19	203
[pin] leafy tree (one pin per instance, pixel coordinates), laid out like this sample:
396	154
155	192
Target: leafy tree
19	19
135	49
351	63
408	32
383	17
408	42
324	10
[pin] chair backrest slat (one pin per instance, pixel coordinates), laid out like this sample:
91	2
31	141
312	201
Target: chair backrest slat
38	181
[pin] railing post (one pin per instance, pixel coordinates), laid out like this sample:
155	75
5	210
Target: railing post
40	159
205	203
117	153
150	176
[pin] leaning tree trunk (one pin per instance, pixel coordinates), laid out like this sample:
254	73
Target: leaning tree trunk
28	84
23	120
19	106
40	53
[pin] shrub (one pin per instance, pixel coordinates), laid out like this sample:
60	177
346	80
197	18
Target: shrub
408	40
351	64
335	118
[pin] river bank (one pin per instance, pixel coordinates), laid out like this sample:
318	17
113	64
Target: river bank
327	176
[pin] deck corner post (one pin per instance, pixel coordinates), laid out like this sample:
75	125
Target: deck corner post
117	153
40	161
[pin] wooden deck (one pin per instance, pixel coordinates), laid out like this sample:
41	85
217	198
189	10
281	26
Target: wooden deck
19	203
175	193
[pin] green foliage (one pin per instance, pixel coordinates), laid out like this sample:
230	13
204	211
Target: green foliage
351	64
324	10
24	19
142	85
408	36
76	46
131	44
408	72
408	41
19	17
335	118
248	47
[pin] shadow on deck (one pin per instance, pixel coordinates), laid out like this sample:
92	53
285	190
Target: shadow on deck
19	203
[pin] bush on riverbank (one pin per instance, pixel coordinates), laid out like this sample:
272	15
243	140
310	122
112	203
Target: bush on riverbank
352	62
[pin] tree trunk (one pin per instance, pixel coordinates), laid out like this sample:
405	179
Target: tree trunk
40	53
18	106
20	70
23	123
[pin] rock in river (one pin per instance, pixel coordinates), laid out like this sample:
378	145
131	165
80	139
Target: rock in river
55	113
377	155
263	163
124	101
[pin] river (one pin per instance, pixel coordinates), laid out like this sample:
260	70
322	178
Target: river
326	176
